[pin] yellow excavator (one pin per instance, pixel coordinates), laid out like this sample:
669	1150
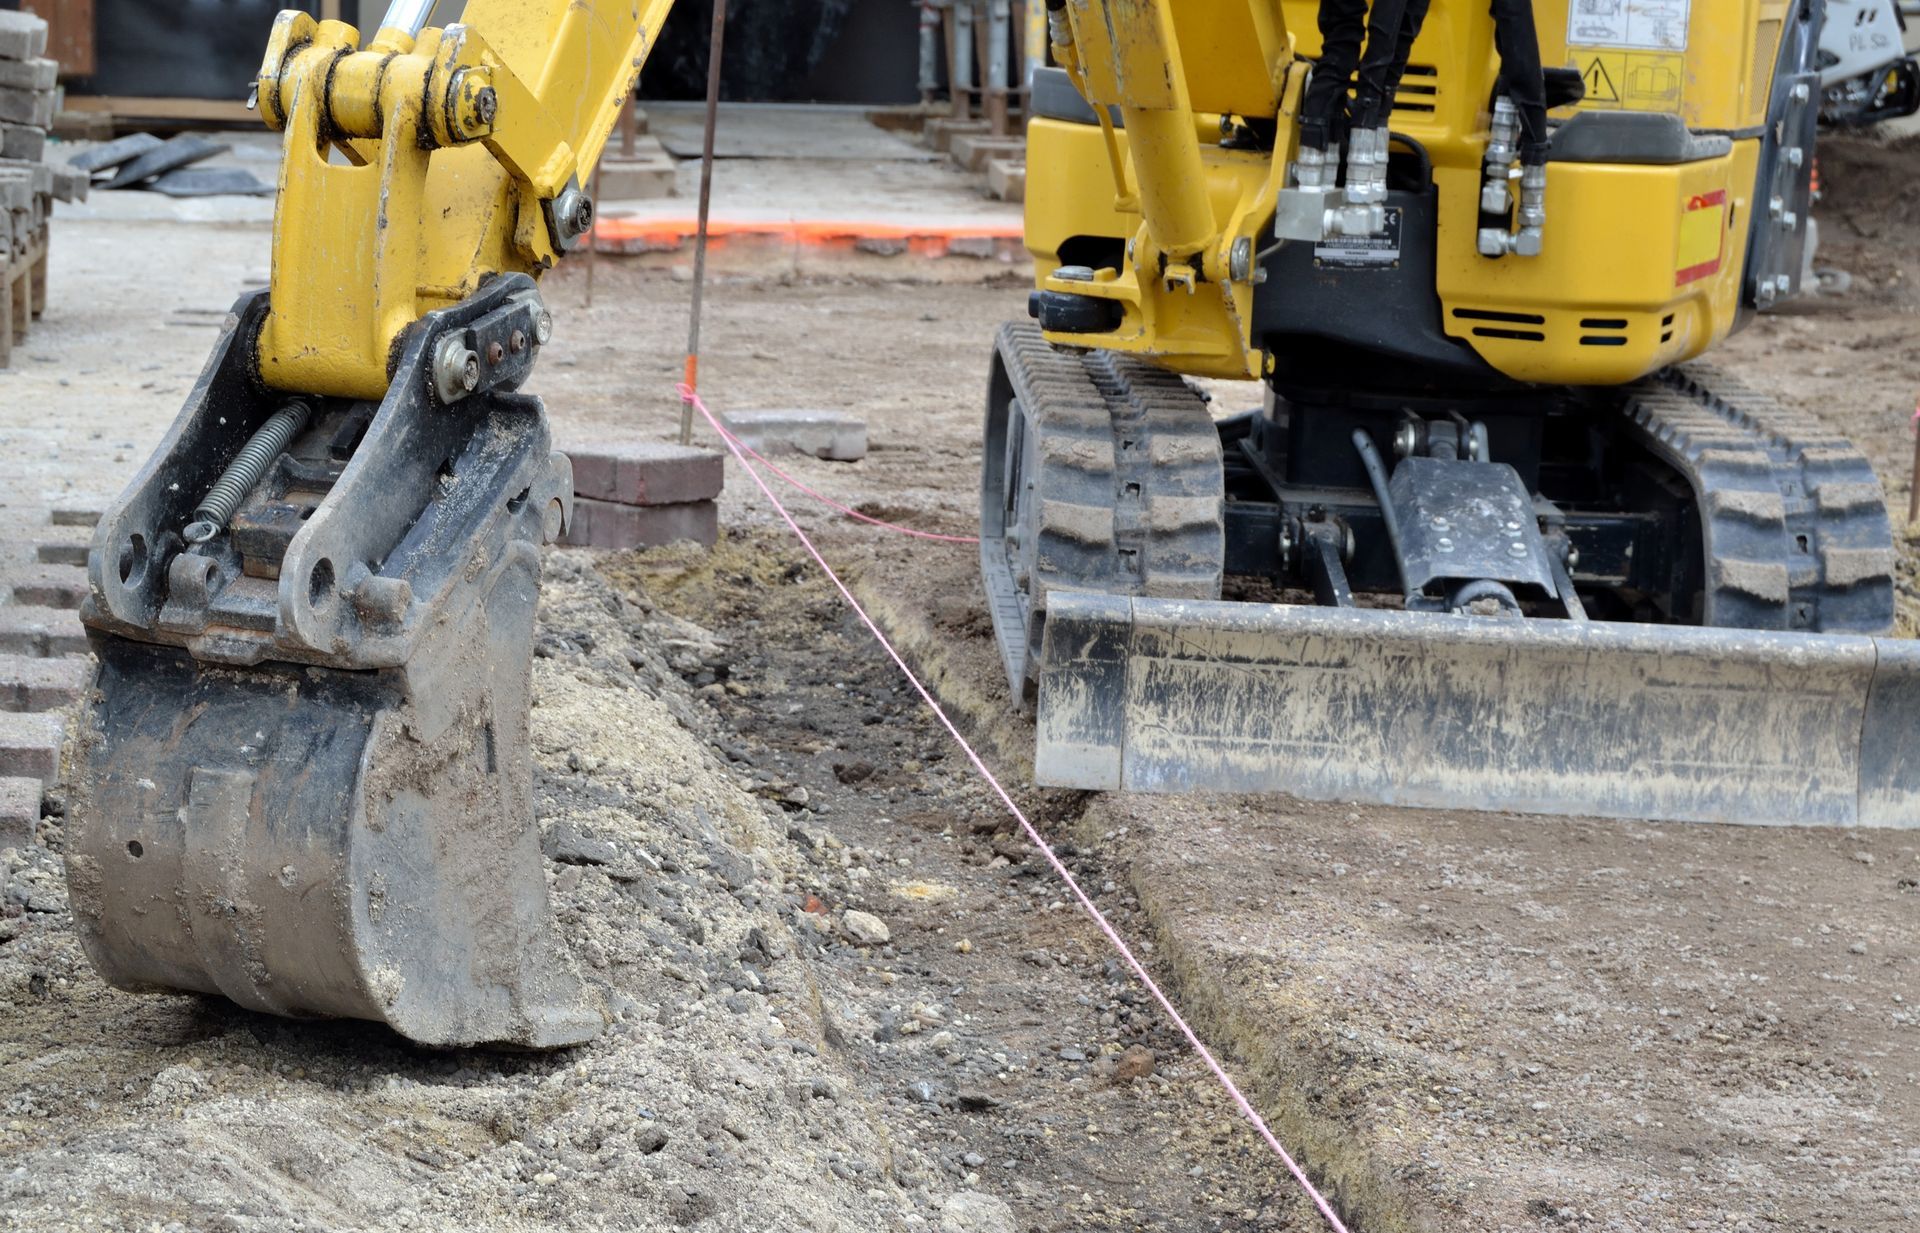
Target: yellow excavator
1466	252
1491	542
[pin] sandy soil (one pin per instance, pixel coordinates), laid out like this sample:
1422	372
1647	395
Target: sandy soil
1465	1021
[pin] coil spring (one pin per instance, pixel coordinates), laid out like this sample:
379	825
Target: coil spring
245	470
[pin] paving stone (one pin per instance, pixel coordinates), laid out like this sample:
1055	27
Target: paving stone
56	544
646	175
974	150
70	183
32	683
644	472
40	174
32	630
35	74
940	132
832	435
22	36
48	586
22	141
33	107
19	811
607	524
30	744
1007	179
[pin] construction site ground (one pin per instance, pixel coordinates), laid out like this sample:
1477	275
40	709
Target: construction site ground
1461	1021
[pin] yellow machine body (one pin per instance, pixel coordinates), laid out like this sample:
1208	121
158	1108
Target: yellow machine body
1660	247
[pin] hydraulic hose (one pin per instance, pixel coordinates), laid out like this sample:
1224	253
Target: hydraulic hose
1377	476
1323	112
1376	63
1521	77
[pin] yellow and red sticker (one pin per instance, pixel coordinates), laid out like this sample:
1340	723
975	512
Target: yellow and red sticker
1703	237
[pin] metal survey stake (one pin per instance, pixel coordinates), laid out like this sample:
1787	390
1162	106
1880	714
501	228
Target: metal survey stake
706	201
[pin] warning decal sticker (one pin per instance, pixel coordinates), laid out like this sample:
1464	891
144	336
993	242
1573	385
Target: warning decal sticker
1634	25
1630	80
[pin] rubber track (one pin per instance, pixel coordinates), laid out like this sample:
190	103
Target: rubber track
1794	519
1128	493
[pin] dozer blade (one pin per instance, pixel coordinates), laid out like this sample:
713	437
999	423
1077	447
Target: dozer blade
1401	708
303	778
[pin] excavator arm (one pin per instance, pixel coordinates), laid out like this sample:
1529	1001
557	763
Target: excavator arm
303	779
428	162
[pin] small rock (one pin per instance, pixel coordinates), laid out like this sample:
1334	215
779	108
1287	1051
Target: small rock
1858	948
1865	858
924	1092
969	1211
1072	1054
865	928
568	845
1135	1062
976	1101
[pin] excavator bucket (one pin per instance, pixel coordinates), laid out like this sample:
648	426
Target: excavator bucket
1440	711
303	778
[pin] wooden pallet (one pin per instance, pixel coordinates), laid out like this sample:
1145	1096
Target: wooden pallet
24	282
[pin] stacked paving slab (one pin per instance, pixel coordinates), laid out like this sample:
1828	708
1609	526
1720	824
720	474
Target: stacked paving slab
644	174
28	184
44	662
642	494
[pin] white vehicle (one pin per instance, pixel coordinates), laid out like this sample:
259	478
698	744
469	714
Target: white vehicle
1866	75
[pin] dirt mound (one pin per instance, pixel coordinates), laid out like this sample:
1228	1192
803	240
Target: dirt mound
1870	177
709	1102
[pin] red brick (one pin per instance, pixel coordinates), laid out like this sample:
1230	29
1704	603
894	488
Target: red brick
604	524
32	684
644	472
30	630
30	745
19	812
49	586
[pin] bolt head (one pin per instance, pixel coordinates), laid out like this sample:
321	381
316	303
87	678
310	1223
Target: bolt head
470	373
1240	261
517	342
543	327
486	105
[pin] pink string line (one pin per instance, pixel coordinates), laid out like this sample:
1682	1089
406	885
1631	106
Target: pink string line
738	445
1099	918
